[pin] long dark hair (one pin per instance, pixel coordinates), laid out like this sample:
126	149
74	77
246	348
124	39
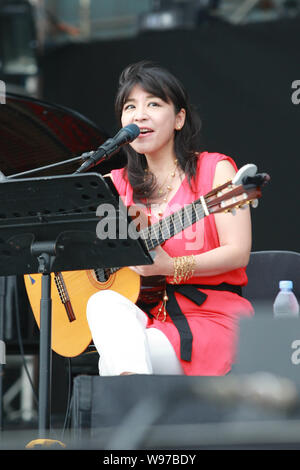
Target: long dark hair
161	83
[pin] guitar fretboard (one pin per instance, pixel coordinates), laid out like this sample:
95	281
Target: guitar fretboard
174	223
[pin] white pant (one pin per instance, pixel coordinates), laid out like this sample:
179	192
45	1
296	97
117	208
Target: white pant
124	343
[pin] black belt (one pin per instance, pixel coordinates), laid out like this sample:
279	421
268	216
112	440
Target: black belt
191	292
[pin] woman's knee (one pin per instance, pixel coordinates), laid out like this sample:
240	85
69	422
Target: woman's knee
100	302
110	303
104	297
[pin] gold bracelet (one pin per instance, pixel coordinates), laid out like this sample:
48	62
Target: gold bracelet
183	268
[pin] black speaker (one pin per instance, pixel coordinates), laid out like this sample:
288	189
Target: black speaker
164	412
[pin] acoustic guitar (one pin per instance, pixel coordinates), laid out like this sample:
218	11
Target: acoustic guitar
71	290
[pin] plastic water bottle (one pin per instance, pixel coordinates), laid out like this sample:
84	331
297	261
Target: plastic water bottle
286	304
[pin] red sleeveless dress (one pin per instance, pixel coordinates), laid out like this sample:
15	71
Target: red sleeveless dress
214	323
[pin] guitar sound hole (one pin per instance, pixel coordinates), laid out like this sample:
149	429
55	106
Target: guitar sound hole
102	275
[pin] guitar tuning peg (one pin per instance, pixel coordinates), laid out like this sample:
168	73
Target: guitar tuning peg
254	203
243	206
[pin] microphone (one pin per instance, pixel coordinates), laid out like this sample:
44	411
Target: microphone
111	146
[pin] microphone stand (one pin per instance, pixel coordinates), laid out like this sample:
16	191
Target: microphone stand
92	158
84	156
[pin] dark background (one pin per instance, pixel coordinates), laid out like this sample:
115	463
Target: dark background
239	78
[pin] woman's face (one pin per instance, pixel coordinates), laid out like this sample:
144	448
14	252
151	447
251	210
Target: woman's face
156	119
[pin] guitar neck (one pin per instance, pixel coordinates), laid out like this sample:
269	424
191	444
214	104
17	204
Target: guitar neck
174	223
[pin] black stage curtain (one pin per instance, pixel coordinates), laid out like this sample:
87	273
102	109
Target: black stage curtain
240	79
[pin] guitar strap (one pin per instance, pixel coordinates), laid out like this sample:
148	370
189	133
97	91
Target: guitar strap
192	292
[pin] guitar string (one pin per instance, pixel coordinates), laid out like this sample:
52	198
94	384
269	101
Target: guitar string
193	213
173	227
168	223
157	229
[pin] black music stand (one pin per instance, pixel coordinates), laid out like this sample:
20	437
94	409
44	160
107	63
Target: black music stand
49	224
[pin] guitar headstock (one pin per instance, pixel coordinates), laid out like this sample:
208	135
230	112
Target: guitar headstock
244	189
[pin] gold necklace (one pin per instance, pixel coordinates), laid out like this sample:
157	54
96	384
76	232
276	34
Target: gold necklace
162	190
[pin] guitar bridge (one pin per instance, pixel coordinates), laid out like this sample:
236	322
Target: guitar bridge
64	296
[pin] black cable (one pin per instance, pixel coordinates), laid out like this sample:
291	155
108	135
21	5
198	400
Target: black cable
68	408
20	342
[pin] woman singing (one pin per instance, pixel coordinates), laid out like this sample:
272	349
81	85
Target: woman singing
192	329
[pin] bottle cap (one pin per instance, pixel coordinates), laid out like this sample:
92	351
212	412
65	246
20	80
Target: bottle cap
285	284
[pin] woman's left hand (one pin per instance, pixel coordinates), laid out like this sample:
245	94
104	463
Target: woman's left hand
162	266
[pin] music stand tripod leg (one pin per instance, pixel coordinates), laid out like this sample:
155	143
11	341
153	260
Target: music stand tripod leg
45	364
45	252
